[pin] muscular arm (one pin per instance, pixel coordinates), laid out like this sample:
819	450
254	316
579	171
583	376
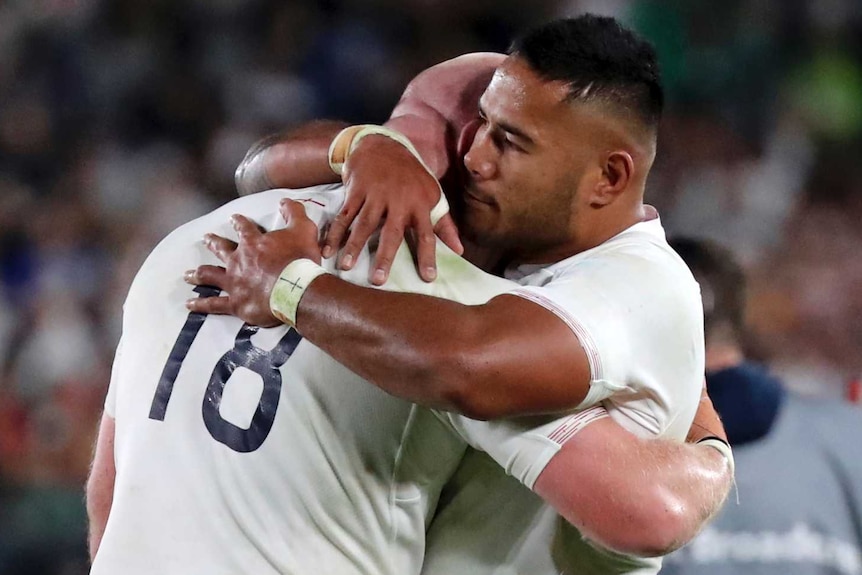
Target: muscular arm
292	159
646	497
100	484
507	357
435	106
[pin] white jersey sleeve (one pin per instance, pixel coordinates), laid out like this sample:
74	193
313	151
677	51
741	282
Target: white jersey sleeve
636	311
643	338
523	446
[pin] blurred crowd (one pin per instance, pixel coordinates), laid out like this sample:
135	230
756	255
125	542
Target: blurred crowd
121	120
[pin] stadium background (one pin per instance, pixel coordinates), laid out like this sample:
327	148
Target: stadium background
122	119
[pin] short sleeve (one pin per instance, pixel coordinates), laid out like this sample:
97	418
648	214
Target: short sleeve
638	318
523	446
594	304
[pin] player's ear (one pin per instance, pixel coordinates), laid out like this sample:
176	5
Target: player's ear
617	171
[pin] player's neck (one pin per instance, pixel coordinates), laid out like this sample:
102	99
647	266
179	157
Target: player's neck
600	225
612	220
484	258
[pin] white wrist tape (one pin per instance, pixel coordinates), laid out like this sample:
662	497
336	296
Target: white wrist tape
439	210
722	447
347	139
290	287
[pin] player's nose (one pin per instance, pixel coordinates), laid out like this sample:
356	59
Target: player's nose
479	159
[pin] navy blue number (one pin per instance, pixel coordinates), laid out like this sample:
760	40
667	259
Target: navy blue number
265	363
178	355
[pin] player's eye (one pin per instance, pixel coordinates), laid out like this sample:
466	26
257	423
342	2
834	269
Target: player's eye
511	144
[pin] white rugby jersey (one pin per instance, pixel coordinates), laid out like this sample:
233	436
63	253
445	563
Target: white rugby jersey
244	450
637	312
241	450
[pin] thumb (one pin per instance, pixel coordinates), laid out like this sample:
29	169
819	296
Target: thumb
292	211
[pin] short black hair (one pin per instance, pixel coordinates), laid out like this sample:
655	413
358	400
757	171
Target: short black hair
722	283
600	60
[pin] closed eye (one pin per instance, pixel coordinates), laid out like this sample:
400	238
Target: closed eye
506	136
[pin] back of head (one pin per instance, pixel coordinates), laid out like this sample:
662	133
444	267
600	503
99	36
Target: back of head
722	286
601	61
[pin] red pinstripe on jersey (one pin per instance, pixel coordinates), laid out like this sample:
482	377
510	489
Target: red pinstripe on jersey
573	424
581	333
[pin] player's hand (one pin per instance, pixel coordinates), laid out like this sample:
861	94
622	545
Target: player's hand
253	264
706	421
386	184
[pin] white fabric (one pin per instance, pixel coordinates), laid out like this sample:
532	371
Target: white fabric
334	488
347	478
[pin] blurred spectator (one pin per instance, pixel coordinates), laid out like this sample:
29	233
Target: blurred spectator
798	460
807	291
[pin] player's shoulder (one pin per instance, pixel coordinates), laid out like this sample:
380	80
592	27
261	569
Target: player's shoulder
322	203
183	248
638	254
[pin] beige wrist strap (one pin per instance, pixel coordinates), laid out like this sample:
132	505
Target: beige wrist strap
290	287
340	148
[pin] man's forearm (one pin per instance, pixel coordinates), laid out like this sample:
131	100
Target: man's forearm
641	496
388	338
471	359
300	158
100	484
294	159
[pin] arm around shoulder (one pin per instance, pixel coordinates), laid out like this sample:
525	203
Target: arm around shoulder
506	357
645	497
435	103
294	159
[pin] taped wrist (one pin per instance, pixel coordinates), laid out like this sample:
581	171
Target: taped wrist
345	143
290	287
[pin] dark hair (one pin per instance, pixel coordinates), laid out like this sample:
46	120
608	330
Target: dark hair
722	283
600	60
